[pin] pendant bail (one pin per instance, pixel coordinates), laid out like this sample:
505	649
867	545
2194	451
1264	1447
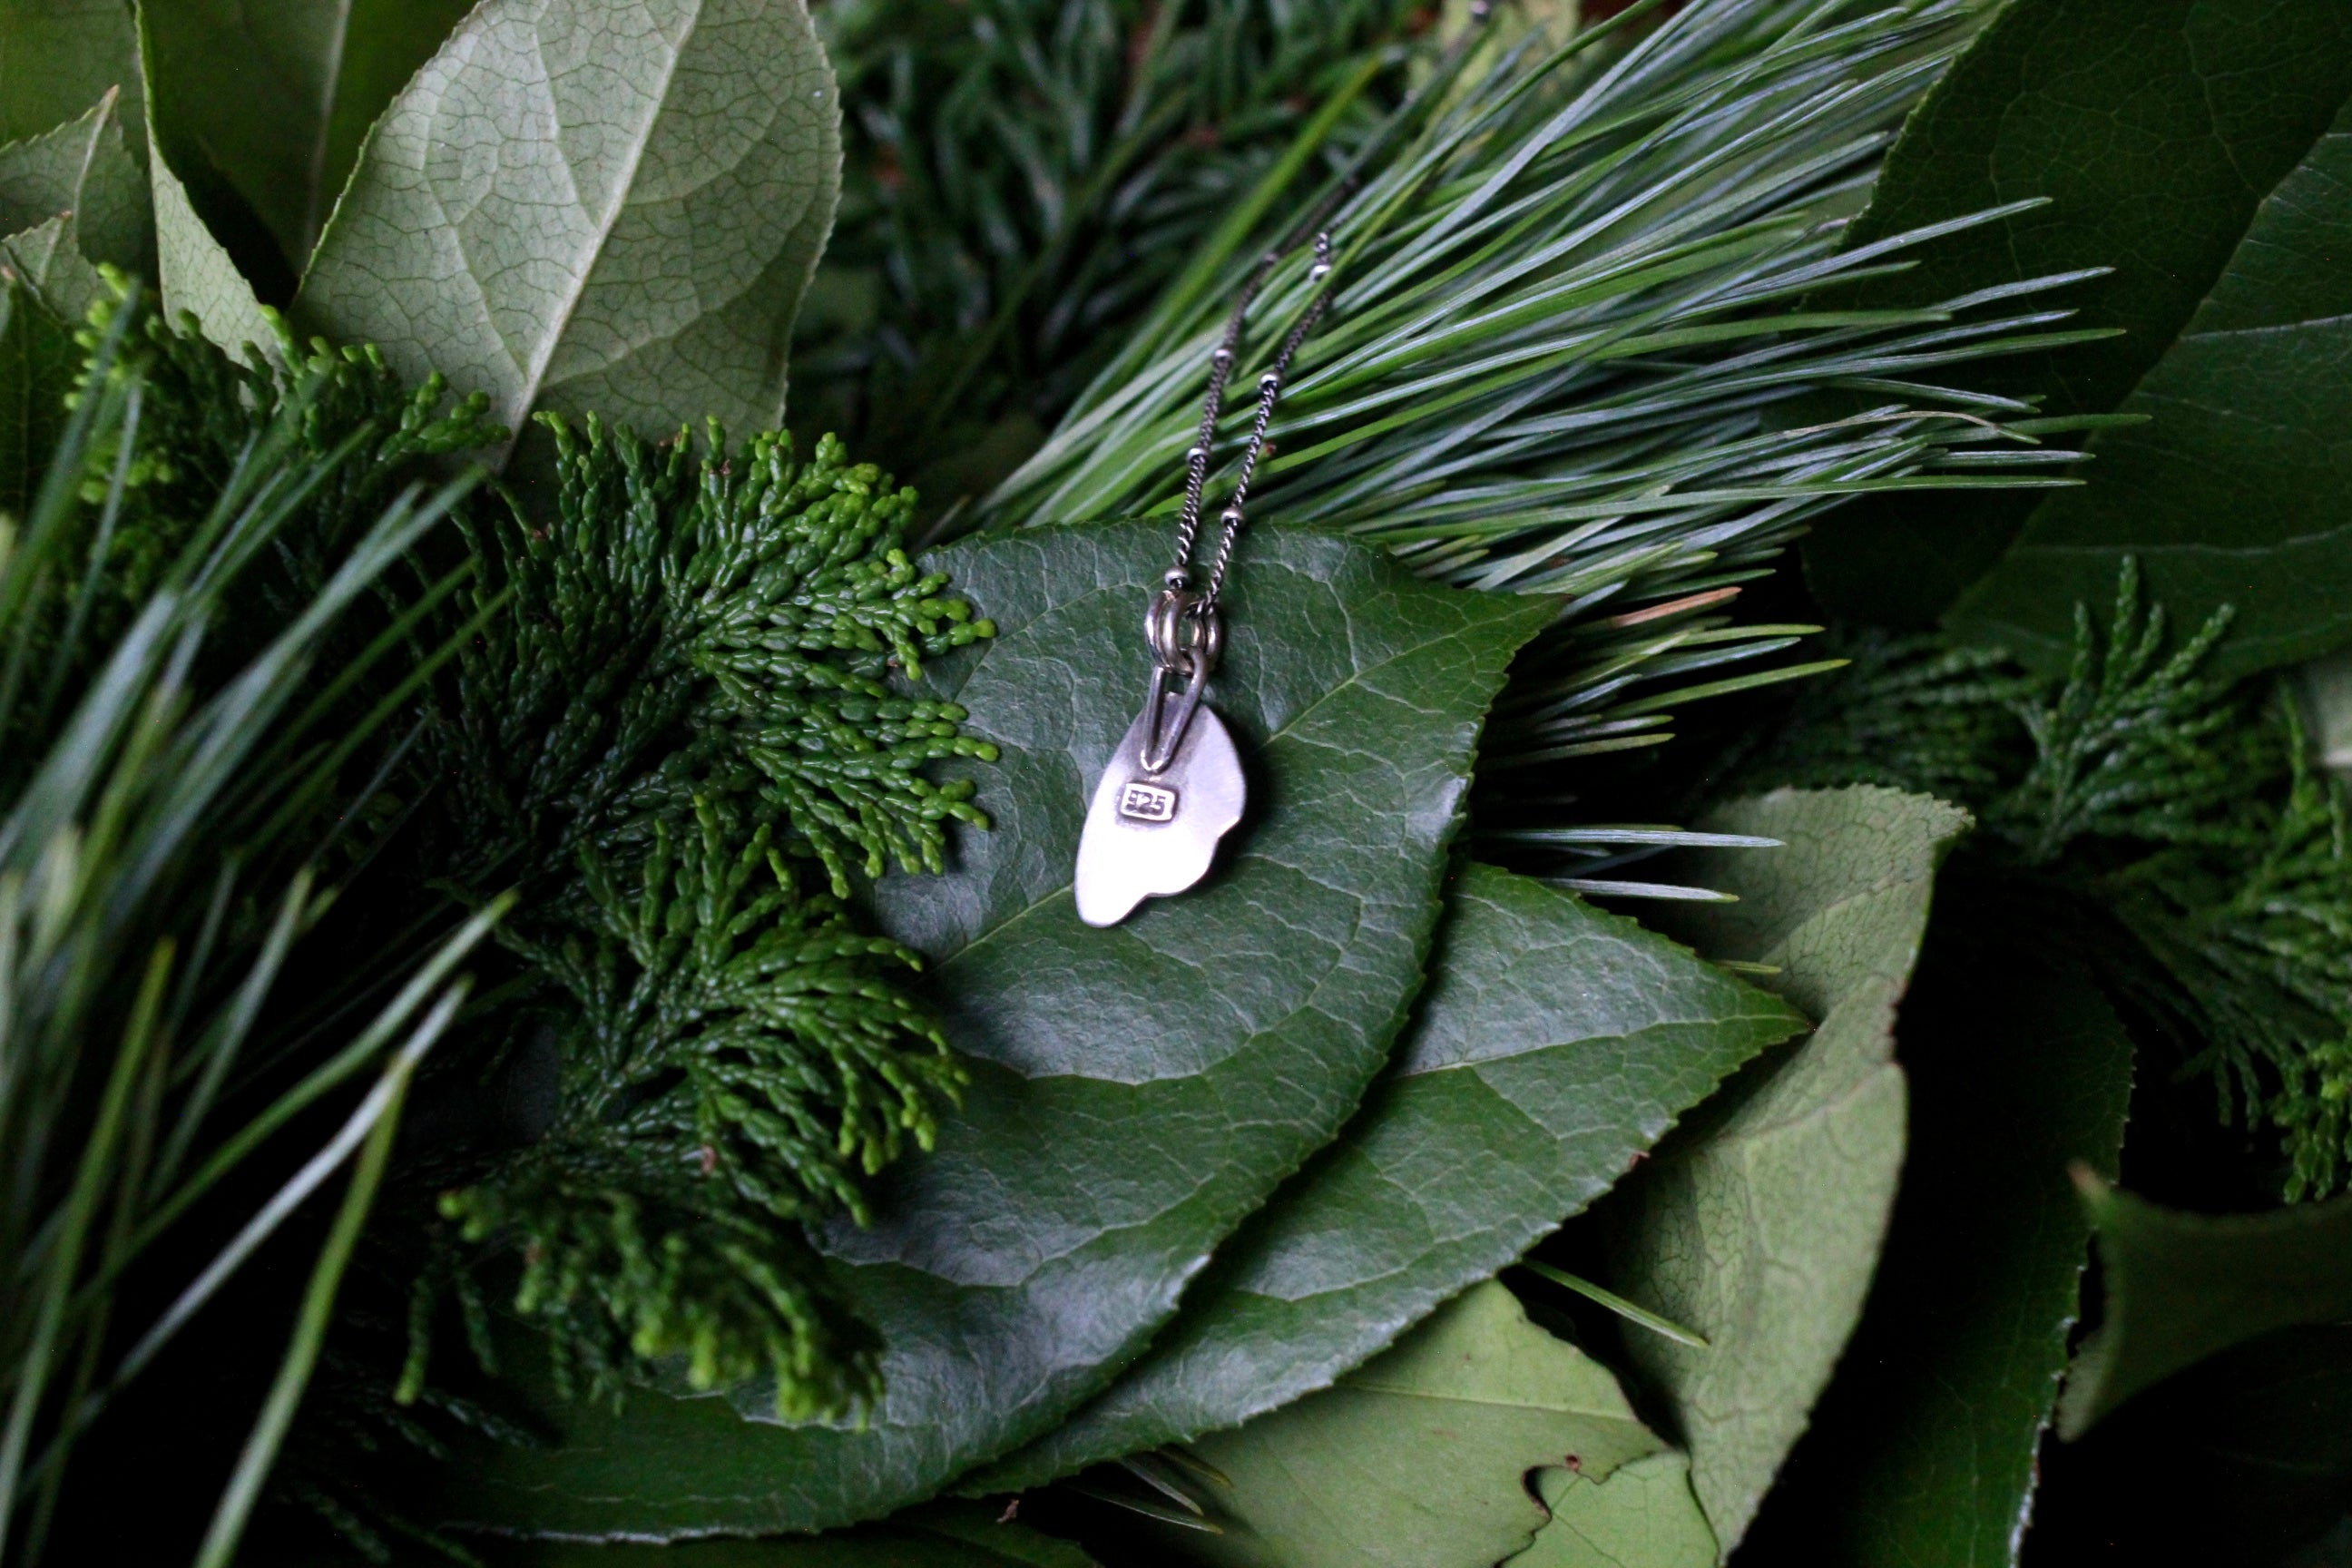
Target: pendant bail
1186	635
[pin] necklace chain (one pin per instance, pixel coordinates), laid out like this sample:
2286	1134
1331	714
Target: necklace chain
1269	391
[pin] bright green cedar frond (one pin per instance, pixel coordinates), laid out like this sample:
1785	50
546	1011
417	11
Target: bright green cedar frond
735	1059
739	612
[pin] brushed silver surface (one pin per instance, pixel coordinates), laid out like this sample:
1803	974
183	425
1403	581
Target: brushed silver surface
1149	835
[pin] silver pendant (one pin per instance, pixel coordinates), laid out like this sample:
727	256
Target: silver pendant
1151	831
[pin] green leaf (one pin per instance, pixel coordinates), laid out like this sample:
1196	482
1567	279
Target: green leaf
279	93
1759	1225
1420	1458
196	274
60	57
39	362
2154	129
605	205
2243	1459
1554	1045
46	260
1644	1516
2181	1286
1925	1451
84	170
2232	493
944	1535
1136	1091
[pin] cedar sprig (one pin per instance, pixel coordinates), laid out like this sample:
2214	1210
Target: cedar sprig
2171	827
736	1057
805	600
675	615
2137	743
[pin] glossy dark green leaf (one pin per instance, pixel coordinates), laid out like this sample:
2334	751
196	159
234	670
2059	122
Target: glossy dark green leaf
2238	491
1420	1457
2244	1458
1759	1223
593	204
81	171
279	92
60	57
2155	128
1554	1045
1923	1450
2181	1286
1137	1091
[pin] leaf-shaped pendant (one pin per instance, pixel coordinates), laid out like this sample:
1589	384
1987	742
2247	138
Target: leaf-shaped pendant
1149	834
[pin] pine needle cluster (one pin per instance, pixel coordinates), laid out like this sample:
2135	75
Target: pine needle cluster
1022	179
1575	346
2141	797
189	780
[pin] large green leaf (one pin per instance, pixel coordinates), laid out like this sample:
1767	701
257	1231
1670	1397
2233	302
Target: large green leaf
2235	491
277	93
60	57
1644	1516
593	204
2155	128
1555	1044
1137	1091
2181	1286
1924	1450
1760	1224
1420	1457
82	171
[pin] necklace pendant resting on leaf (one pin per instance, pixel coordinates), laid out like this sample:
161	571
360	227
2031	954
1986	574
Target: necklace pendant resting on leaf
1174	787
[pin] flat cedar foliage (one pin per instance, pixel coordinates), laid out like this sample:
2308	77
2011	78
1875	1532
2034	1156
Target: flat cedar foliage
1798	896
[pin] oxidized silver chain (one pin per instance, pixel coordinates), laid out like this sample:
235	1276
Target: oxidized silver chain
1213	409
1174	787
1185	632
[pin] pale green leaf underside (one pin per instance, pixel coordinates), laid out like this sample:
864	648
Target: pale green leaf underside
1556	1042
1136	1091
83	170
1644	1516
593	204
1420	1458
1761	1225
196	275
46	260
